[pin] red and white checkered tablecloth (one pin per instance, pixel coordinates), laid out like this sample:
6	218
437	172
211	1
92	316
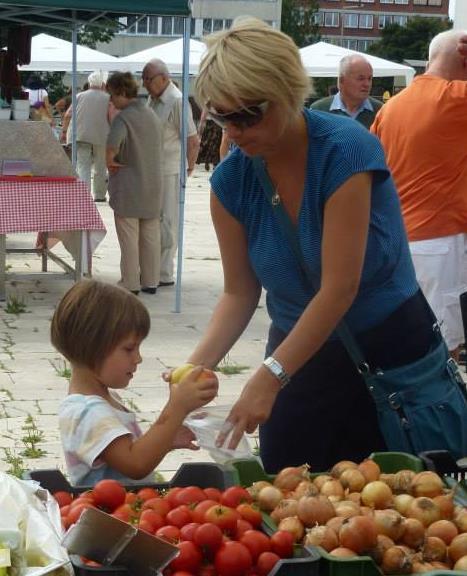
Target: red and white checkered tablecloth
44	206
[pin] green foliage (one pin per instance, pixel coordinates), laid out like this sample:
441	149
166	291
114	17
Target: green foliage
15	462
15	305
411	42
298	21
32	438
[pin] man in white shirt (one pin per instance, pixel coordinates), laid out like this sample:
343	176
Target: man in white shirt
166	101
92	128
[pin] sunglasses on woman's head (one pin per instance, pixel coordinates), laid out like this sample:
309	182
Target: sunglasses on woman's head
242	118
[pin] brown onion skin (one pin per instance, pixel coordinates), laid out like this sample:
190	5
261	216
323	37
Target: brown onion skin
269	497
286	507
321	536
335	523
427	484
370	470
358	534
458	547
446	505
342	552
425	510
402	483
377	495
338	468
434	549
461	564
396	560
382	544
315	510
390	523
414	533
294	526
289	478
443	529
461	522
305	488
352	479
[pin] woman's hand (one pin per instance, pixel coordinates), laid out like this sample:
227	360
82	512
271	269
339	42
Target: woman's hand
252	408
113	167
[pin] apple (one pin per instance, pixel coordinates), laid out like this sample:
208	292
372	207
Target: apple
180	372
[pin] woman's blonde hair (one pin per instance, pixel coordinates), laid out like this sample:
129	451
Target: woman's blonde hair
252	62
93	318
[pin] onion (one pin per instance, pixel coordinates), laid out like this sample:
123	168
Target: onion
382	544
377	494
461	564
354	497
414	533
305	488
286	507
321	479
321	536
359	534
396	560
443	529
419	566
333	490
269	497
352	479
434	549
445	504
366	511
402	482
342	552
402	502
294	526
315	510
390	523
461	521
427	484
256	487
388	479
289	478
370	470
338	468
335	523
347	509
458	547
425	510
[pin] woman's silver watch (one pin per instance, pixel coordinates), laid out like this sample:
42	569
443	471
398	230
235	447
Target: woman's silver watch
277	370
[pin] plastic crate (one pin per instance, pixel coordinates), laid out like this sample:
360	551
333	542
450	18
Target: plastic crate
202	474
82	569
454	475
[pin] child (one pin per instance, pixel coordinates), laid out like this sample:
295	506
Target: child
99	329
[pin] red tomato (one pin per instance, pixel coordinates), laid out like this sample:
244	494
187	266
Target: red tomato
145	526
187	531
282	543
179	516
251	513
200	509
190	557
155	520
159	505
170	496
109	494
147	493
190	495
81	500
169	533
125	513
256	542
131	498
242	527
63	498
224	517
233	559
182	573
234	496
213	494
208	537
75	512
207	570
266	562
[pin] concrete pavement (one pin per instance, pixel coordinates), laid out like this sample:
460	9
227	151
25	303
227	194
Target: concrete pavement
33	375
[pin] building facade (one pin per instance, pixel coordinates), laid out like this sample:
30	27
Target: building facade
208	16
356	24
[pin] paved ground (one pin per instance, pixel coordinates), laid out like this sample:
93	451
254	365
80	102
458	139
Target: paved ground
33	375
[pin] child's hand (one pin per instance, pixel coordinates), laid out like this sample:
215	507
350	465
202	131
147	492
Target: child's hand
196	389
185	439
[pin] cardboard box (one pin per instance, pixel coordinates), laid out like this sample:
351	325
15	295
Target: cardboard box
101	537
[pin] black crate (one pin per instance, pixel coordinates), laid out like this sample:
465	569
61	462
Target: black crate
82	569
202	474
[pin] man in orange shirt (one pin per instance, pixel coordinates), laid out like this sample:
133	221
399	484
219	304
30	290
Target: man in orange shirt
423	130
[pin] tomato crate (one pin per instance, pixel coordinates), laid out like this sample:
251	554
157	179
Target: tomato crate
82	569
202	474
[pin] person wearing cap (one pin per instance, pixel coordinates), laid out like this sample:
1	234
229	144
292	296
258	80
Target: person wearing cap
92	128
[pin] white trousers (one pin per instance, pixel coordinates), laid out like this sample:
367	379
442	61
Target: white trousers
140	249
90	156
441	269
169	225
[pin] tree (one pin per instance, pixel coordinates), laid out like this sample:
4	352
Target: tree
298	21
408	42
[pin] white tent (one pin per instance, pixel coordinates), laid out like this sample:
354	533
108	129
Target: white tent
171	53
322	60
51	54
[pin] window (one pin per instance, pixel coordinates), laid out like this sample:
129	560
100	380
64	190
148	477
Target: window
420	2
142	25
365	21
350	20
178	26
131	25
434	2
363	45
153	25
401	20
207	26
331	19
387	1
350	44
318	18
228	23
402	1
384	20
366	1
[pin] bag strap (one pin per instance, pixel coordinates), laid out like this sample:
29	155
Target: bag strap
289	229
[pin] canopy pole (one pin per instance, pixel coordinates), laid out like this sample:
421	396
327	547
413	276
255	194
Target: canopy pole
74	42
183	170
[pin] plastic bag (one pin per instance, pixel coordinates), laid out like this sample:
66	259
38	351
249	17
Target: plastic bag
30	527
206	424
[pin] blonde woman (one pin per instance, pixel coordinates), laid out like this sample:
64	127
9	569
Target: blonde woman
330	177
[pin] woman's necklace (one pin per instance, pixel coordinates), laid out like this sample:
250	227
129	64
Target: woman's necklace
276	199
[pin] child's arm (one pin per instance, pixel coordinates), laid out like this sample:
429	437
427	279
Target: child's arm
137	458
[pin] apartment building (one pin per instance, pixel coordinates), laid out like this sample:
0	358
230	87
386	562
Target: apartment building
356	24
208	16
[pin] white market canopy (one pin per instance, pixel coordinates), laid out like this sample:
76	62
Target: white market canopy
51	54
171	53
322	60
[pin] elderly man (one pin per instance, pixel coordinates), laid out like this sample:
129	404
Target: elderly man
92	128
166	101
423	130
353	99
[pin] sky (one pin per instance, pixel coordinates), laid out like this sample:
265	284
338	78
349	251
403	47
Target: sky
452	4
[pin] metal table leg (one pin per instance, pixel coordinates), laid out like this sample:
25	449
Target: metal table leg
2	266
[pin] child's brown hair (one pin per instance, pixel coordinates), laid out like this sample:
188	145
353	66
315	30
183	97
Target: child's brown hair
92	318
